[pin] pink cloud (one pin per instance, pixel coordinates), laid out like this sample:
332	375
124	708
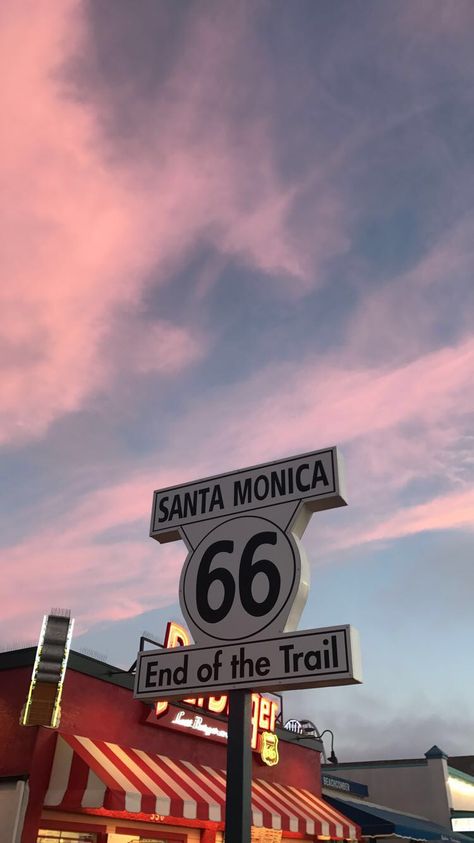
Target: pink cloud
74	248
400	317
289	407
89	561
113	581
452	20
84	560
446	512
84	231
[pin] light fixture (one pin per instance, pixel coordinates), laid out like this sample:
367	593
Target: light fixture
332	758
310	730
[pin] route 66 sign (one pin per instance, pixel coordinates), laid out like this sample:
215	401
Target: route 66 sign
245	581
246	575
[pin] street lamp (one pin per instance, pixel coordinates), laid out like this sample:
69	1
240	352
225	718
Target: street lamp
310	730
332	758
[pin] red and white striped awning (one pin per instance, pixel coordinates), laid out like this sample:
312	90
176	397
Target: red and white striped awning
97	774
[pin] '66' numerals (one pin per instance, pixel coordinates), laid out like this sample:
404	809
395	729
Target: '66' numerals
239	580
249	568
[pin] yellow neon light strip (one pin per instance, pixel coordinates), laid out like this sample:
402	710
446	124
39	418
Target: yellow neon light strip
57	705
26	710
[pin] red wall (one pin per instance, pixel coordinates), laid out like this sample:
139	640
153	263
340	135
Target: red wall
16	742
98	709
93	708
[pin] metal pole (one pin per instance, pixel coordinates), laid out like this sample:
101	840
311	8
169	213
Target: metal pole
239	769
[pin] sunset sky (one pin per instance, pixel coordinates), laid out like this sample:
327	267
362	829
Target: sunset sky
231	232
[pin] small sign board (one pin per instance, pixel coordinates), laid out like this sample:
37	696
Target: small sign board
265	835
306	659
344	785
314	480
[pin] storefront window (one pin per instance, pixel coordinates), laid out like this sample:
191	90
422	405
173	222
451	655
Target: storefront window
48	836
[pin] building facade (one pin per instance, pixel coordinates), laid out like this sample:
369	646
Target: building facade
434	787
114	770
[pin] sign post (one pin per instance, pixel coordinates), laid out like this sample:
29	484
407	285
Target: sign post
243	587
239	770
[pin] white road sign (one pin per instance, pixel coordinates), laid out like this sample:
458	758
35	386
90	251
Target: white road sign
242	579
245	581
311	480
307	659
246	574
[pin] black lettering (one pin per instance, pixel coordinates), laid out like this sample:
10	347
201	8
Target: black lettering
234	663
302	487
216	499
296	660
190	504
326	653
164	674
245	663
203	493
151	672
290	480
319	475
176	507
278	484
242	495
164	509
204	672
180	675
262	666
312	660
285	649
335	660
260	495
217	664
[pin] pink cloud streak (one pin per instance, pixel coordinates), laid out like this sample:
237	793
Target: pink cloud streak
73	233
288	407
90	548
83	232
446	512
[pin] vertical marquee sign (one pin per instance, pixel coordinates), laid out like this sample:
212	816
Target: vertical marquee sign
243	587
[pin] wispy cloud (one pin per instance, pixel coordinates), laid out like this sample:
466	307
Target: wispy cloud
86	231
444	512
104	535
71	230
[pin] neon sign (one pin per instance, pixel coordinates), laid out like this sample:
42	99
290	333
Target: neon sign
197	723
269	749
43	704
264	709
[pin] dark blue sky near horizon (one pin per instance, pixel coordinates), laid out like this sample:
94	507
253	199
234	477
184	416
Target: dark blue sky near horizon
235	232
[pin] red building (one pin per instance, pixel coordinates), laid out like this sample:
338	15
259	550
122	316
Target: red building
112	772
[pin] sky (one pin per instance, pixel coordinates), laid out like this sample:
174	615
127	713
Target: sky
232	232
